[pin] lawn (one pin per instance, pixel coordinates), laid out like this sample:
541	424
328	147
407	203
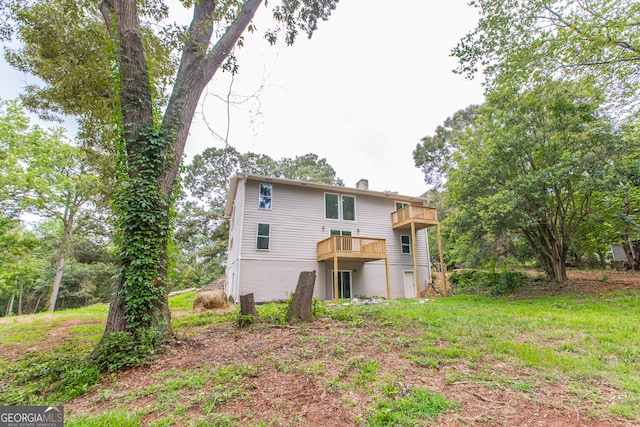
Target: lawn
546	360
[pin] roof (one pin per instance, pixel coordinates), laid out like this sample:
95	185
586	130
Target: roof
233	187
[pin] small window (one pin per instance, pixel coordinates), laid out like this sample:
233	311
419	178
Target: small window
331	209
264	199
264	234
340	233
348	208
405	243
400	205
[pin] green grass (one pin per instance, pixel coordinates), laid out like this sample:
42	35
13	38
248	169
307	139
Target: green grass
120	418
416	407
577	342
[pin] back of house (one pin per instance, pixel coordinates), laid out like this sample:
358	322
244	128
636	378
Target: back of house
360	242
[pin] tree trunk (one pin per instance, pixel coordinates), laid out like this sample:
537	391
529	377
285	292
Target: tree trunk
633	261
136	303
301	304
55	288
9	309
20	299
248	313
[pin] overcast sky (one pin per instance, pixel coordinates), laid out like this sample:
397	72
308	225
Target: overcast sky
362	92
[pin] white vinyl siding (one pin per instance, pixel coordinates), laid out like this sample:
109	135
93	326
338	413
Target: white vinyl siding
296	224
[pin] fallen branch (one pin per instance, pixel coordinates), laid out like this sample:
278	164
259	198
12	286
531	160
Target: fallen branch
484	399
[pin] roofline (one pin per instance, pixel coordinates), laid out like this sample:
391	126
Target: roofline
233	187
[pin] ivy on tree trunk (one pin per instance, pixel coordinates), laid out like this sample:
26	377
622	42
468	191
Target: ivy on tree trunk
150	156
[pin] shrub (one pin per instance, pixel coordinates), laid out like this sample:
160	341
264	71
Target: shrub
480	281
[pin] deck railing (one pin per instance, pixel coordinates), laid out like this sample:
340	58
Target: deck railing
352	247
416	213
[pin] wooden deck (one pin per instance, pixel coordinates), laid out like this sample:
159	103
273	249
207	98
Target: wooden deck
421	217
352	248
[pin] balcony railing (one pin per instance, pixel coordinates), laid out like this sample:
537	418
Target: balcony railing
421	217
354	248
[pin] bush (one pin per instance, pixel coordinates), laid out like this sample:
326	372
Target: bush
481	282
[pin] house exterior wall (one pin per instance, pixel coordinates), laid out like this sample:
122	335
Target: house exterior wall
297	223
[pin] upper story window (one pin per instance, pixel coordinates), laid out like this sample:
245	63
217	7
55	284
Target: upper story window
265	195
339	207
405	243
331	207
348	208
400	205
340	233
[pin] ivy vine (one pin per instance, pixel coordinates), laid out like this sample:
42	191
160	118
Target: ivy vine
143	221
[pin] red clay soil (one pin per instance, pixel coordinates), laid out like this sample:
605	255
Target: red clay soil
302	399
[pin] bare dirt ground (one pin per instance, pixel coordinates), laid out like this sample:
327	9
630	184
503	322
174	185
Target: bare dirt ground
275	396
301	399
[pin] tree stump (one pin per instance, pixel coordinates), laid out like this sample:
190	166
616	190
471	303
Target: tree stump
248	313
300	308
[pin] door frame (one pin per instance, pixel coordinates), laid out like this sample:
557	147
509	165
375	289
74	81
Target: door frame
340	272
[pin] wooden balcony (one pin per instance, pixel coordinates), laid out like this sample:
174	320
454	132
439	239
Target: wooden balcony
352	249
420	216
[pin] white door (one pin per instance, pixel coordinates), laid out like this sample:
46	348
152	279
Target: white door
409	284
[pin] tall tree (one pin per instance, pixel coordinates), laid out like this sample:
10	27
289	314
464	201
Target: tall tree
152	143
531	164
48	176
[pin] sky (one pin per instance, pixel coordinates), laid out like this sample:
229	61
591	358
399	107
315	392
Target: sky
371	82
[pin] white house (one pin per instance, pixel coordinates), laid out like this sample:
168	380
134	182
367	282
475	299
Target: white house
359	242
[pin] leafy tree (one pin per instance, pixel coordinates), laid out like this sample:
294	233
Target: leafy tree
49	178
308	168
619	204
434	155
151	144
520	41
531	164
19	268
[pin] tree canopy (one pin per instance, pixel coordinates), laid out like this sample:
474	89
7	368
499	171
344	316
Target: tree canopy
530	163
521	41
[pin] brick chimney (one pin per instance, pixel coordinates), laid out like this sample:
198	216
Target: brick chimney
363	184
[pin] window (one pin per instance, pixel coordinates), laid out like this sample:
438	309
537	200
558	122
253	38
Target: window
264	234
405	243
331	208
400	205
348	208
339	207
340	233
264	198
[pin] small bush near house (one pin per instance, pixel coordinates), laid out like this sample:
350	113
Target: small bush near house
482	282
